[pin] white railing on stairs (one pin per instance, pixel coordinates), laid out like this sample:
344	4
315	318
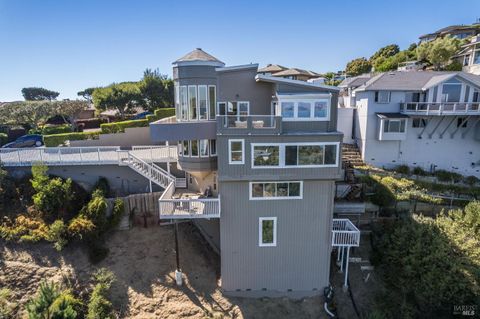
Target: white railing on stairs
150	171
344	233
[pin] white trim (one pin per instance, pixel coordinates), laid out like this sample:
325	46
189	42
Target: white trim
237	67
196	102
260	232
250	197
281	154
311	100
230	152
267	78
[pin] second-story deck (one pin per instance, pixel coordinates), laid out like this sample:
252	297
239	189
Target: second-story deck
249	124
440	108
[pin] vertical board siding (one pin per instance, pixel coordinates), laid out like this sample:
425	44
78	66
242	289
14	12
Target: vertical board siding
301	259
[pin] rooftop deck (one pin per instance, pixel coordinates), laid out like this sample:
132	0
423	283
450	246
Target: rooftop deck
249	124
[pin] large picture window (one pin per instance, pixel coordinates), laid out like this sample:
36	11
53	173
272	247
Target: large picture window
290	155
265	155
275	190
394	126
267	232
305	109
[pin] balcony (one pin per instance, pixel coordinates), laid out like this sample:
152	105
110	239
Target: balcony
423	108
345	234
249	124
183	204
169	129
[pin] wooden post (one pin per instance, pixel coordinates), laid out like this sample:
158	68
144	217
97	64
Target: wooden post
178	272
346	268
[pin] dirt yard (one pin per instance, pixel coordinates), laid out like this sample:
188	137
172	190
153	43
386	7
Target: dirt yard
143	261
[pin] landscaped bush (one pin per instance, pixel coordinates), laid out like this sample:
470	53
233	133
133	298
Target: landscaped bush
117	212
56	129
24	229
3	139
119	127
419	171
446	176
59	139
160	114
80	227
402	169
90	123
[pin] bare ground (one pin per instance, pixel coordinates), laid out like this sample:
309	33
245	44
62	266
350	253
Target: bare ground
143	261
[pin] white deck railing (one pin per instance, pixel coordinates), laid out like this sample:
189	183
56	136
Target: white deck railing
59	156
189	208
344	233
440	108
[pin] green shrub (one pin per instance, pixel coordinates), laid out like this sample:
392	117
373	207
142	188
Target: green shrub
96	210
446	176
53	195
3	139
24	229
57	233
51	303
419	171
103	185
80	227
56	129
402	169
6	304
119	127
59	139
117	212
160	114
99	307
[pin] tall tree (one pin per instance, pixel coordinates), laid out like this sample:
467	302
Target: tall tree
153	89
358	66
120	96
70	110
39	94
385	52
32	113
438	52
86	94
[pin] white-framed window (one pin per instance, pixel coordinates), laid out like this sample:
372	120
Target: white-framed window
295	155
294	108
236	151
213	147
194	148
186	148
183	103
203	148
383	97
202	102
276	190
267	231
212	100
394	126
192	102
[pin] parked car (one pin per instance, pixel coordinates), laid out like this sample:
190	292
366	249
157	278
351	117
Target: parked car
141	116
30	140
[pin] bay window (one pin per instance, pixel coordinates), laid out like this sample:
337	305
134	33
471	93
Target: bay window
394	126
204	148
192	101
212	100
202	102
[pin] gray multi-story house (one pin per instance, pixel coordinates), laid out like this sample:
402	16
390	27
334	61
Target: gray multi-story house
251	159
265	153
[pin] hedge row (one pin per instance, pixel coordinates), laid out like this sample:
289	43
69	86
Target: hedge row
160	114
59	139
119	127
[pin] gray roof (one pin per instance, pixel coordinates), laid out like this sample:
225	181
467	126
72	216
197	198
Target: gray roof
279	80
296	71
198	55
355	81
272	68
413	81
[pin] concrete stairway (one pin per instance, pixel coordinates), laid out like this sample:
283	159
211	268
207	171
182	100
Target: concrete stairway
351	154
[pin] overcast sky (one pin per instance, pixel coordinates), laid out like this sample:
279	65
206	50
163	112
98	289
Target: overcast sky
67	45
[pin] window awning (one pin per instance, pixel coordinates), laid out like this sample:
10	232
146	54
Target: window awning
388	116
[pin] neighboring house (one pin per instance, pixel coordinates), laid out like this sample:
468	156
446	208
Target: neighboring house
266	153
288	73
425	119
469	56
456	31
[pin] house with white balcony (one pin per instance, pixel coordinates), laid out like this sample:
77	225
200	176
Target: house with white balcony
425	119
469	56
250	159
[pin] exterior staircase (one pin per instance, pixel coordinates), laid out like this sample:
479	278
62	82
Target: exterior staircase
351	154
